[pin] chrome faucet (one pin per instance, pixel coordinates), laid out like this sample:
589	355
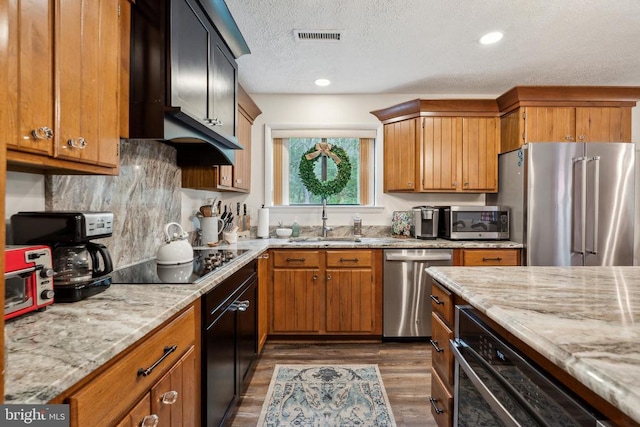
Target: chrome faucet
325	227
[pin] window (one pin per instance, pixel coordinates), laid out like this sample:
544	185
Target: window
288	188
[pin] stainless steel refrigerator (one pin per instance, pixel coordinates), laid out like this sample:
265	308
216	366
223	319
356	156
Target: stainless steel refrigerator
571	203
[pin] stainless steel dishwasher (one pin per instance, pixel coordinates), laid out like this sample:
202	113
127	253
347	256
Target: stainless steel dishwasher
406	289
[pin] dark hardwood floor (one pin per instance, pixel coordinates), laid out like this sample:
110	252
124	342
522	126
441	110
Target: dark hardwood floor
405	370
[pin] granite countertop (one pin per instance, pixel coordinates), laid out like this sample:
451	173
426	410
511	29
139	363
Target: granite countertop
47	352
582	319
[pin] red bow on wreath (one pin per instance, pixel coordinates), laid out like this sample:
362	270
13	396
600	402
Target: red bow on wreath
323	148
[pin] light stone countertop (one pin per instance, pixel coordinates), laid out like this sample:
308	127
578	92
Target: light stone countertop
47	352
583	319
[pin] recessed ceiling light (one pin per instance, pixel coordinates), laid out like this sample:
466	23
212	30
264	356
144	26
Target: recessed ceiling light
491	38
323	82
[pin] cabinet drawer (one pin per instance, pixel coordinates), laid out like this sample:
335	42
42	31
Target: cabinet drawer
296	258
109	395
441	357
441	399
442	303
489	257
349	258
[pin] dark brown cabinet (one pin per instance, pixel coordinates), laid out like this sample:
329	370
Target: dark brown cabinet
183	82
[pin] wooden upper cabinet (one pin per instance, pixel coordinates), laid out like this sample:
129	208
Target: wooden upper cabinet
64	86
30	120
441	145
565	114
88	79
400	144
441	150
480	142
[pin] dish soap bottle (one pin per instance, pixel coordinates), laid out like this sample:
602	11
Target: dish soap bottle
295	227
357	225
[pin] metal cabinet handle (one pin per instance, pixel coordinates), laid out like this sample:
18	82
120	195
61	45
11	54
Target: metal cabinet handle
149	421
296	259
436	300
42	133
329	277
169	398
485	259
435	407
582	137
410	184
167	351
79	143
455	184
568	138
315	277
435	345
348	259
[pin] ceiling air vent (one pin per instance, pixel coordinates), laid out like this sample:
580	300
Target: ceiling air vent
329	36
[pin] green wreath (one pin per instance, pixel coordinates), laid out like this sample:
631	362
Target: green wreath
331	187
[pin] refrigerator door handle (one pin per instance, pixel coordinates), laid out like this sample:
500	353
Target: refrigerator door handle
596	202
581	187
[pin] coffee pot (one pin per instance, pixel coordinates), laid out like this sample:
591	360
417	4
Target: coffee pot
80	263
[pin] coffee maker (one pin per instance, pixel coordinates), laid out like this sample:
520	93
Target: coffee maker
81	266
425	222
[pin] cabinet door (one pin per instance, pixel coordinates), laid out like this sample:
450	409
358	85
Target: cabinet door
603	124
173	398
263	300
190	71
30	114
350	304
442	160
225	85
138	414
242	167
550	124
480	138
399	155
296	301
88	77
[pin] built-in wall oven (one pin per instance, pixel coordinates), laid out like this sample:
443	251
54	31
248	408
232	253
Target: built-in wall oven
495	385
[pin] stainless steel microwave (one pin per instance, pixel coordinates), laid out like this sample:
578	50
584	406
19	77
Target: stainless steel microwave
474	222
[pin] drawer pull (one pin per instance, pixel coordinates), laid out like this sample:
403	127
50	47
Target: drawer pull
485	259
170	397
149	421
167	351
435	407
296	259
348	259
239	305
435	345
436	300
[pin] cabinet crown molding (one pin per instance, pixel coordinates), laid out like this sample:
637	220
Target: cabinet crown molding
438	107
568	96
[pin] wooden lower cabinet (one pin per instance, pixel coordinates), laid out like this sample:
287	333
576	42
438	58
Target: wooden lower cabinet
326	292
486	257
442	361
156	377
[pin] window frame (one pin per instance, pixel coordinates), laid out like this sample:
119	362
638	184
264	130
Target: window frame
375	162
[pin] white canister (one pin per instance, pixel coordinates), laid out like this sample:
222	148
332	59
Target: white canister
211	227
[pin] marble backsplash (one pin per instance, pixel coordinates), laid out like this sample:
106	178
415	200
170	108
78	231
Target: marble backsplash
143	198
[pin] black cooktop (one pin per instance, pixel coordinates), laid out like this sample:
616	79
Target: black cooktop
205	262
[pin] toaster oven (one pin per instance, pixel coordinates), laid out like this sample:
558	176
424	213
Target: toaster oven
474	222
28	280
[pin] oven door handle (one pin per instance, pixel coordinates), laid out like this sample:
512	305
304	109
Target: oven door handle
489	397
23	272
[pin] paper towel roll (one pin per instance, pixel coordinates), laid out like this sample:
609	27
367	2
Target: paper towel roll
263	223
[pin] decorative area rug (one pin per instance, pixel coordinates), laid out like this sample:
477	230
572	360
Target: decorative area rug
326	396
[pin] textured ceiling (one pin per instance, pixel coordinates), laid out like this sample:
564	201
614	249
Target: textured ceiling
430	46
